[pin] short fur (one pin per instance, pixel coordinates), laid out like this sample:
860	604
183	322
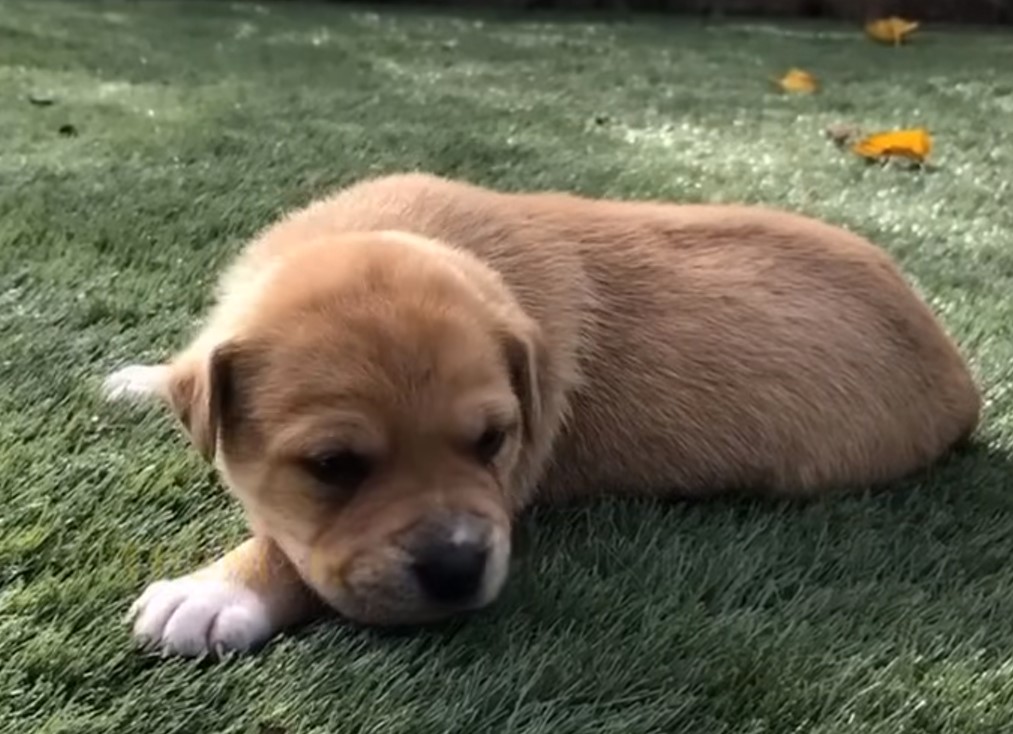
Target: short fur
636	348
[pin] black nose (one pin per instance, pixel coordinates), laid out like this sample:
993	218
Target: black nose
451	572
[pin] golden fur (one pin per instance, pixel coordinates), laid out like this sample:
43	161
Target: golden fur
638	348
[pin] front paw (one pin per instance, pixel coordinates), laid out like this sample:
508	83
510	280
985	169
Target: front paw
193	617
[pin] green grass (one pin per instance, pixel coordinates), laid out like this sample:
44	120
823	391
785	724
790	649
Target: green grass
198	123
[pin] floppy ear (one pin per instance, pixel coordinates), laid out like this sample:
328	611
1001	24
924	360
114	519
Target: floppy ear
198	394
525	355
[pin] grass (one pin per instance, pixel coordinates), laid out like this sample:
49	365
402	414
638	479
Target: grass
195	124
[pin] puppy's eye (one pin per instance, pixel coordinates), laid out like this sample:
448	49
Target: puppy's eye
342	469
489	444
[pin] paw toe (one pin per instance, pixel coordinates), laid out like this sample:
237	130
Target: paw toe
192	617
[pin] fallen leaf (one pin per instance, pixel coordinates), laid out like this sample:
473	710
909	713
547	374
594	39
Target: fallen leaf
914	144
41	100
892	30
798	81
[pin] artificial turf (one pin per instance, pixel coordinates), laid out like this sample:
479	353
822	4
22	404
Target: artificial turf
162	135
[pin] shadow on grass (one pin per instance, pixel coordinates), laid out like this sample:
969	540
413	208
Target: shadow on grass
856	604
934	536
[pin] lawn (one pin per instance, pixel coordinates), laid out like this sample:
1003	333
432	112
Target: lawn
173	131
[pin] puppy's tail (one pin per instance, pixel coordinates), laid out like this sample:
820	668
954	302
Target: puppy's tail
137	382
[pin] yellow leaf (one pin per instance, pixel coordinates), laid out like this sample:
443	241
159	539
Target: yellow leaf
797	80
892	30
914	144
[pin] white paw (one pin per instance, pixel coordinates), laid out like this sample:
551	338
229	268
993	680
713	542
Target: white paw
193	617
135	382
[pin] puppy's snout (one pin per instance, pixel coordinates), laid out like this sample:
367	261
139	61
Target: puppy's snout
451	557
451	573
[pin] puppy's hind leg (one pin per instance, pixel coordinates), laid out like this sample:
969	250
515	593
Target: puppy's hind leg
137	382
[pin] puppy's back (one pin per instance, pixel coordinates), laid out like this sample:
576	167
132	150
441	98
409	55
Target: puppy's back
738	347
695	348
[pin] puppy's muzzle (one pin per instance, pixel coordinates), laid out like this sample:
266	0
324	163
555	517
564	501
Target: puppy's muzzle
450	557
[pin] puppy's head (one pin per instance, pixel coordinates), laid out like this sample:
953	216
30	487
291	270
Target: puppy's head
370	415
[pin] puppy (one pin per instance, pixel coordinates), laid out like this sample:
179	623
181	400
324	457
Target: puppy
393	373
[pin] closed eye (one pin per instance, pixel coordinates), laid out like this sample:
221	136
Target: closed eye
344	470
488	446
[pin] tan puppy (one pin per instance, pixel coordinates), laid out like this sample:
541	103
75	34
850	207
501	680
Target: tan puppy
392	374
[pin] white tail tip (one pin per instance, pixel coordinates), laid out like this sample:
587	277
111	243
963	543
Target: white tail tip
136	382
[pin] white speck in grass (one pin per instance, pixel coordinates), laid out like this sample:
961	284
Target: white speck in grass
112	89
1004	104
366	18
250	8
244	30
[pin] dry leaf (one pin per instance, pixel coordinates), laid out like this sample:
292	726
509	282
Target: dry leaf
892	30
914	144
798	80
